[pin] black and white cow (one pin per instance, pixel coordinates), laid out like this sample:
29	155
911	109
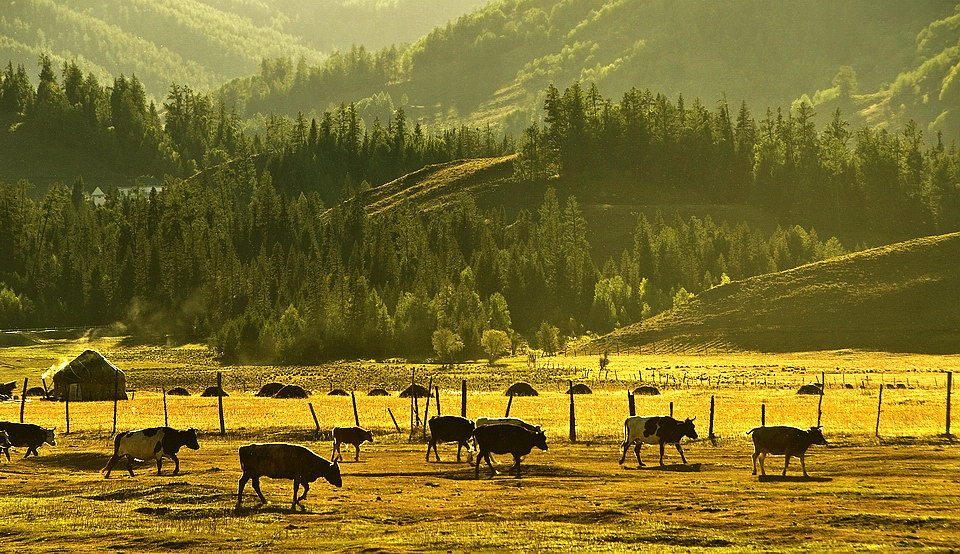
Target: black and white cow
660	430
506	439
284	461
29	435
151	444
786	441
450	428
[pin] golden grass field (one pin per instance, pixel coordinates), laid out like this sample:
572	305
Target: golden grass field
895	491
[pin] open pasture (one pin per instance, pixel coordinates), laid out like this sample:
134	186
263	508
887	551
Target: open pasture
898	490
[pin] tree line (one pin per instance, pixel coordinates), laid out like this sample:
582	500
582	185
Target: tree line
835	177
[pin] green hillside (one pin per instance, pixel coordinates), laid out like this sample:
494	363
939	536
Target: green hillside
493	64
899	298
202	43
926	91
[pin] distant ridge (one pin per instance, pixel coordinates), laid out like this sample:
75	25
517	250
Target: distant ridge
903	297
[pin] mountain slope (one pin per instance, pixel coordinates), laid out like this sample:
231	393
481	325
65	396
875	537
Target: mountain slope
899	298
493	64
202	43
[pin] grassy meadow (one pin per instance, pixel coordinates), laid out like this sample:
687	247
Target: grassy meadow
575	495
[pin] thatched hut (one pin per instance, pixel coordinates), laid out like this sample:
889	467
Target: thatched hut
378	392
338	392
416	391
646	390
269	390
521	389
213	391
89	376
291	391
579	388
178	391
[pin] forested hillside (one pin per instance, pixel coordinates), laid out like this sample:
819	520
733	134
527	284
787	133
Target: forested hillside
277	246
202	43
926	91
493	64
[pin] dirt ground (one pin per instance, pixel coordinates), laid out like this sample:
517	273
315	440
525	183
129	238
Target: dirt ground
574	496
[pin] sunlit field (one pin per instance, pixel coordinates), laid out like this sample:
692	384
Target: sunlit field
573	496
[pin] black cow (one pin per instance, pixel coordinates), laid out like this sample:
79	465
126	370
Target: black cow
284	461
350	435
152	443
786	441
450	428
29	435
506	439
5	444
655	430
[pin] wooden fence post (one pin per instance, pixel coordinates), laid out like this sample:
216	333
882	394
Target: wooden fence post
763	415
437	390
166	422
671	409
23	400
631	403
116	386
510	401
949	387
426	411
223	429
389	411
573	417
820	405
356	416
66	404
315	420
879	403
710	435
463	398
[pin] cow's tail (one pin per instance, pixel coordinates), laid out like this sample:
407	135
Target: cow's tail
752	430
116	451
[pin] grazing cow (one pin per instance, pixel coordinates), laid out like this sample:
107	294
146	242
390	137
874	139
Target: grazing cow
284	461
655	430
788	441
5	444
29	435
450	428
506	439
153	443
350	435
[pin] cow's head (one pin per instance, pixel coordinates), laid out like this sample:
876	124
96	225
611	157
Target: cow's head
367	436
189	438
50	436
540	440
688	428
333	475
816	436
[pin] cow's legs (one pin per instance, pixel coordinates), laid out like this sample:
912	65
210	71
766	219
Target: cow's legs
661	452
432	444
159	463
256	486
623	456
636	450
680	450
803	466
356	456
243	482
336	451
7	452
516	465
459	448
476	472
756	453
296	489
306	489
763	456
176	461
110	463
493	471
130	465
786	462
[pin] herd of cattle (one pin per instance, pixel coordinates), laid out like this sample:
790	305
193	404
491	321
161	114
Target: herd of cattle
486	436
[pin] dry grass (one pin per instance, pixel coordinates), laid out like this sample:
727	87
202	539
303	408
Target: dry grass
574	496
